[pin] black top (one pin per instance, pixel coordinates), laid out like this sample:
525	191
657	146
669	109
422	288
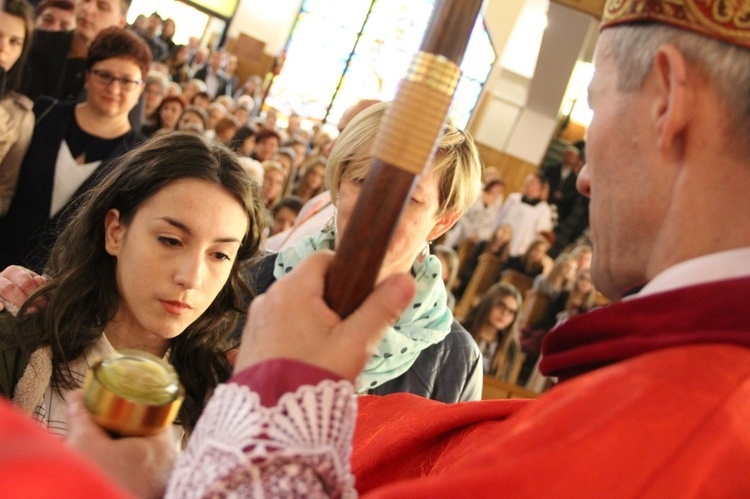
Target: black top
94	148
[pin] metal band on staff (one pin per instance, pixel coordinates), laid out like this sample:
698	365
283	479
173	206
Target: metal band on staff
411	123
405	144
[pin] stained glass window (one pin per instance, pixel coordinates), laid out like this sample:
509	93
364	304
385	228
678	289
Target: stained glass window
342	51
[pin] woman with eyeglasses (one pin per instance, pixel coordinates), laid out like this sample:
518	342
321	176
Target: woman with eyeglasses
494	321
73	146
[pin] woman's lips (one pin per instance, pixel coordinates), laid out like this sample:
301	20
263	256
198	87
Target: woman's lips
175	307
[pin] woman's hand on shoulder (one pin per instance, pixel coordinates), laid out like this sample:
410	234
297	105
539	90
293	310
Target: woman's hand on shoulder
16	285
292	321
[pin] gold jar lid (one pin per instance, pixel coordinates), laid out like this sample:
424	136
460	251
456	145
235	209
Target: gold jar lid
133	393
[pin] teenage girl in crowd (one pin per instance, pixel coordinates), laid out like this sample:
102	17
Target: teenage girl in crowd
494	322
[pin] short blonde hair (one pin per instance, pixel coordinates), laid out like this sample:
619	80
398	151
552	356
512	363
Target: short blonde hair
456	164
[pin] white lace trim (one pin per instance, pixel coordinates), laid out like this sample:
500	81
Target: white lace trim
299	448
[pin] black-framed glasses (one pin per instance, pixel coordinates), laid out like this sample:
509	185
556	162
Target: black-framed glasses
506	309
106	78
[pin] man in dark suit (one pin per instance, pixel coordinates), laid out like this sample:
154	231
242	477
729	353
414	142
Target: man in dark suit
562	181
213	75
572	207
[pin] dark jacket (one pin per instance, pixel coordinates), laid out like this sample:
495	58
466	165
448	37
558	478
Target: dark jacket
563	192
13	361
449	371
45	68
26	231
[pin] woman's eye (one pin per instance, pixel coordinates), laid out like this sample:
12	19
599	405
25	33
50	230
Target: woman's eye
222	256
169	241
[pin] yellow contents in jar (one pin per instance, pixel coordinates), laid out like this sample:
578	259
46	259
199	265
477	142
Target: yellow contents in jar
139	377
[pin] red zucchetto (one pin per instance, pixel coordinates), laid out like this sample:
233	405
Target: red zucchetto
727	20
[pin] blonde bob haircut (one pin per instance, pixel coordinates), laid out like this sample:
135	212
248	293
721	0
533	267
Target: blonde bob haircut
456	164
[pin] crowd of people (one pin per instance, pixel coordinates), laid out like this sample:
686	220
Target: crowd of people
90	105
142	189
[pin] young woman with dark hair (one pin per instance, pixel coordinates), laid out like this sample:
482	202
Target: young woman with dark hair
149	261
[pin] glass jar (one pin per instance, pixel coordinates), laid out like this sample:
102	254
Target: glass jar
133	393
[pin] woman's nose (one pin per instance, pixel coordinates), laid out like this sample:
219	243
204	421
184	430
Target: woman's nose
190	272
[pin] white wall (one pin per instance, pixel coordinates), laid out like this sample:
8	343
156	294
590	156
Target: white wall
566	40
268	21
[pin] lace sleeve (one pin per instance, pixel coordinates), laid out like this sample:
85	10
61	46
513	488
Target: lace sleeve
299	448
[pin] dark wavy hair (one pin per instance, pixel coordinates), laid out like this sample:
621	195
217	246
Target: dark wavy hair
82	294
22	10
118	42
240	136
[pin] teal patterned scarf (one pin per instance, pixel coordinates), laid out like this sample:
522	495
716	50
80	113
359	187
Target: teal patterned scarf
426	321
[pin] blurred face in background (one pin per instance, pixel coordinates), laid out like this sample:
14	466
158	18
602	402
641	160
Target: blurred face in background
265	149
190	121
503	313
181	54
301	150
167	30
315	176
56	19
231	64
152	98
191	88
283	219
214	115
492	195
537	252
285	161
273	181
532	187
501	236
242	114
216	60
200	100
583	282
93	16
170	113
248	145
12	39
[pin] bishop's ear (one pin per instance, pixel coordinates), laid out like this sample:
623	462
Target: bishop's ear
673	95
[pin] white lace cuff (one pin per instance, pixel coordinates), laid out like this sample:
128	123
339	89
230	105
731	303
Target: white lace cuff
299	448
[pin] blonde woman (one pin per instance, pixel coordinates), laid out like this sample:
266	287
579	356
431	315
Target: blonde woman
426	352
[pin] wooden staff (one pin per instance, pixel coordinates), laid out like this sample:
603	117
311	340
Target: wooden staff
404	146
